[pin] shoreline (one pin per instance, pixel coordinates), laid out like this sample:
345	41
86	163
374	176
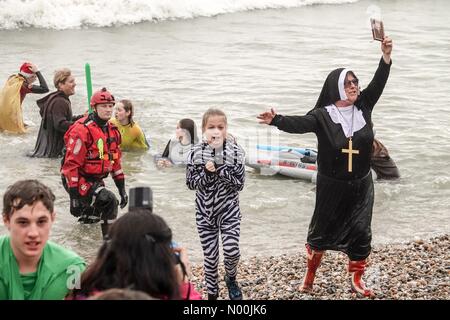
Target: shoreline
419	269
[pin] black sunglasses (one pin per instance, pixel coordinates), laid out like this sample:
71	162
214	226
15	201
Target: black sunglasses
348	83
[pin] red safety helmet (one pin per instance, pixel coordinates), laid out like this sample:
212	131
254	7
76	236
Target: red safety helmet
102	96
25	70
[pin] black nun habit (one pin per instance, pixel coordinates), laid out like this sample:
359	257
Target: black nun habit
344	200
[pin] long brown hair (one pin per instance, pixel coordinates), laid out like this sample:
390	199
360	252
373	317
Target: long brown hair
128	106
137	255
189	125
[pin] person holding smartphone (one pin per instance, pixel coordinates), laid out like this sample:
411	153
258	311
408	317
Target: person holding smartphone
341	120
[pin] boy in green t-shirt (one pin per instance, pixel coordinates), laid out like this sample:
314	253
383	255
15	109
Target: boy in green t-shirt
31	267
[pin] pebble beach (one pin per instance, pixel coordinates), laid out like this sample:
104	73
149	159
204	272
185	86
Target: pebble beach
417	270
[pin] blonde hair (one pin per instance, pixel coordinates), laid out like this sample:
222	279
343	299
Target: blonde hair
211	112
61	76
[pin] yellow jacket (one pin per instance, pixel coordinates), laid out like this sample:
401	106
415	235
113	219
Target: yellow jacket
133	137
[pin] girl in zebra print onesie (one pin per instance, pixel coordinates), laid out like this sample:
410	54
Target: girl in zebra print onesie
216	170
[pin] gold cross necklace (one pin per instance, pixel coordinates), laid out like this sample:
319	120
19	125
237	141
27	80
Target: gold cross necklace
350	149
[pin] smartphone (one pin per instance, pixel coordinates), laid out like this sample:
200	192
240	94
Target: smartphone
377	29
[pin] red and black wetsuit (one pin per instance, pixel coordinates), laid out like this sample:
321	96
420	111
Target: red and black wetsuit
92	153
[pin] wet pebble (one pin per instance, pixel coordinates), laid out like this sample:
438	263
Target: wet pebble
415	270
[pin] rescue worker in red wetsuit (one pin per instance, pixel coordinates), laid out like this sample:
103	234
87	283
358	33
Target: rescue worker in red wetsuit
92	152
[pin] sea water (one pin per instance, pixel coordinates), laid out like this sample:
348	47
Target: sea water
175	59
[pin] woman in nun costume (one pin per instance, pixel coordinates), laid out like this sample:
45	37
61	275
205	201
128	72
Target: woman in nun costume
341	120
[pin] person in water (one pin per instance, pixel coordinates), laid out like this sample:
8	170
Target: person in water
341	120
177	150
93	152
382	163
133	138
56	113
14	92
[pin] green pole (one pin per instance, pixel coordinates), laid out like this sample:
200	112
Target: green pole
87	69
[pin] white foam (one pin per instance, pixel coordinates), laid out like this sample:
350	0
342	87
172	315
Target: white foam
70	14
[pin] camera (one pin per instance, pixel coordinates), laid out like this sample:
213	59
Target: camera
141	198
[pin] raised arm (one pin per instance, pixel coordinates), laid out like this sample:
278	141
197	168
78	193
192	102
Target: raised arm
42	87
386	48
372	93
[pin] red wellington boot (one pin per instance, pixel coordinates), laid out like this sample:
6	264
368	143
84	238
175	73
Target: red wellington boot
314	258
356	270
